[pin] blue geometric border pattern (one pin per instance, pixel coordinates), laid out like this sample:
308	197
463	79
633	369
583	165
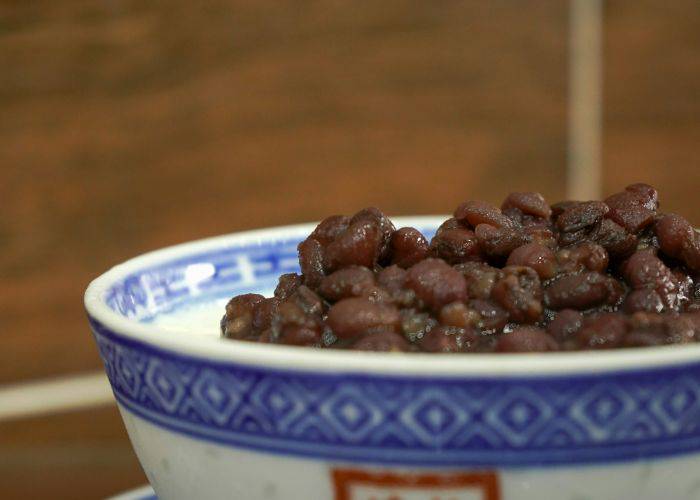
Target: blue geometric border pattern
403	420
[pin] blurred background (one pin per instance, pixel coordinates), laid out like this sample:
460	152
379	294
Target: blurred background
127	126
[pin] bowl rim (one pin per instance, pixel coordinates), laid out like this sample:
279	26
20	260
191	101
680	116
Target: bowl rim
295	358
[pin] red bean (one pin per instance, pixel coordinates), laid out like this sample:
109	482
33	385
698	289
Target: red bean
239	315
480	212
346	282
541	235
528	203
603	332
519	293
308	301
449	339
311	262
355	316
450	223
414	323
682	329
493	317
648	196
480	278
526	339
582	291
691	255
634	208
565	324
583	256
381	342
386	228
290	313
392	278
407	247
456	245
264	312
330	228
581	216
538	257
287	285
498	242
644	299
459	315
561	207
568	239
379	294
436	283
243	304
360	244
644	268
301	335
675	235
615	239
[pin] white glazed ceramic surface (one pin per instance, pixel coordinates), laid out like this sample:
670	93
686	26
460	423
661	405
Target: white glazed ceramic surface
212	418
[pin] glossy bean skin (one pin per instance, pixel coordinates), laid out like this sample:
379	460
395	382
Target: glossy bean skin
536	256
408	247
436	283
581	216
474	213
583	256
382	341
386	228
287	285
445	339
240	311
582	291
456	245
605	331
614	239
311	257
330	228
634	208
526	339
360	245
528	203
347	282
519	292
353	317
480	278
565	324
675	235
498	242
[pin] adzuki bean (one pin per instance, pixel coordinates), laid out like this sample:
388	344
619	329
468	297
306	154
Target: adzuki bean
525	277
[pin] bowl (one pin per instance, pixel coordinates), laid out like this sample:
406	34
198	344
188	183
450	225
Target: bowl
215	418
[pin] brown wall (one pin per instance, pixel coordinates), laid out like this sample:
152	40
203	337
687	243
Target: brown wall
127	126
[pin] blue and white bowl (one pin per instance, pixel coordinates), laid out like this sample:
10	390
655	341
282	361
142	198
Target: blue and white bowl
214	418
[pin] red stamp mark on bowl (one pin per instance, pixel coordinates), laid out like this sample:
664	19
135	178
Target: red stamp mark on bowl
352	484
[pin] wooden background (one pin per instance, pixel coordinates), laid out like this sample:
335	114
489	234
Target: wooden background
127	126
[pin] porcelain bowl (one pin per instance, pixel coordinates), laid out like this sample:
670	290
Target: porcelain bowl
214	418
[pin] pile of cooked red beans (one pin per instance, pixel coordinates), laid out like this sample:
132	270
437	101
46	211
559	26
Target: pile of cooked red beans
526	277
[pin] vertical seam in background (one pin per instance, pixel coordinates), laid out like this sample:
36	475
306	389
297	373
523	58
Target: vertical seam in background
585	100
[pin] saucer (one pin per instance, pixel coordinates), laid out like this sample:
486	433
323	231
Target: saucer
141	493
